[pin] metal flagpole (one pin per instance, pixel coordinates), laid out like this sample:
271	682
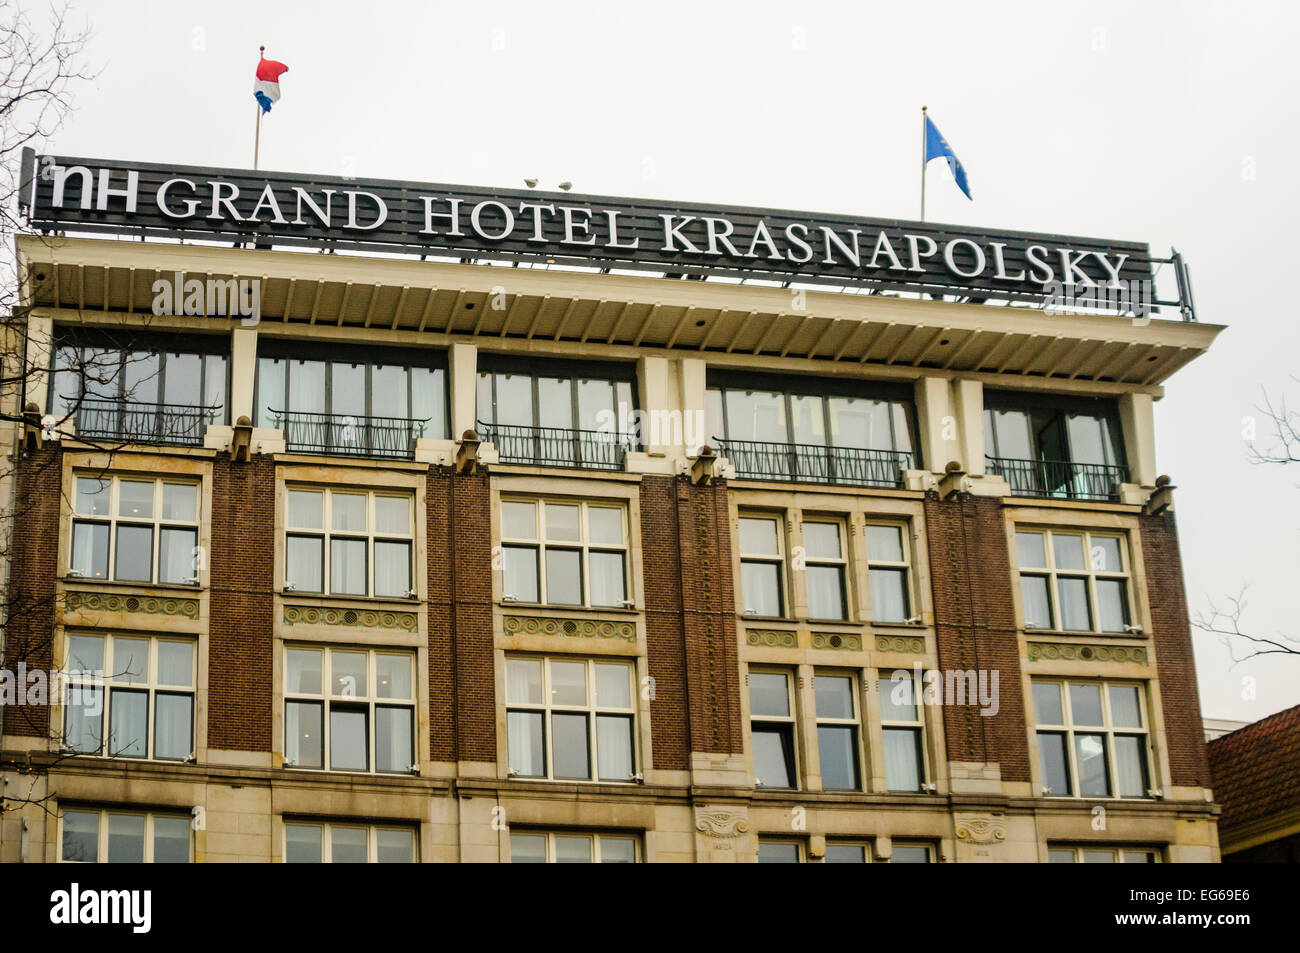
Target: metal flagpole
922	164
257	136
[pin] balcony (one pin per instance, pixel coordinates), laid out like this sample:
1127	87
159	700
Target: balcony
126	421
1059	479
349	435
558	446
813	463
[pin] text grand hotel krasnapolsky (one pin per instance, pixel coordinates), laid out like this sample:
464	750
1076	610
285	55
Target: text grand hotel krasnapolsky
426	561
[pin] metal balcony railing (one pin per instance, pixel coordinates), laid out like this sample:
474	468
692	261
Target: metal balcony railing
814	463
1059	478
558	446
348	435
127	421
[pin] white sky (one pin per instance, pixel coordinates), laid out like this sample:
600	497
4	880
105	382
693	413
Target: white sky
1172	123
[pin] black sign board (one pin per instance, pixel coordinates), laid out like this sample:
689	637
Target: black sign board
469	222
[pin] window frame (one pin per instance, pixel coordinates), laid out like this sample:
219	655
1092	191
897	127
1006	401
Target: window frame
911	615
799	845
927	846
788	725
551	835
1108	730
593	710
1120	852
1090	574
114	520
327	828
778	559
854	723
326	701
102	831
371	536
917	727
841	563
540	544
150	685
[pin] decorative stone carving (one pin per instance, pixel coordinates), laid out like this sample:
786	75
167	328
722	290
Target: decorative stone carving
76	600
574	628
1072	652
900	643
363	618
981	828
720	822
837	640
772	638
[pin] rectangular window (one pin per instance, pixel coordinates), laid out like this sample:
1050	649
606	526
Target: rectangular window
570	719
1055	447
349	542
762	566
565	552
106	835
847	852
135	529
889	568
912	853
826	570
837	731
1074	581
1092	738
774	851
349	709
130	696
772	728
320	842
1065	854
902	730
573	847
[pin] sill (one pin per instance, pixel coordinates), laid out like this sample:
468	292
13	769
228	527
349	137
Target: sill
332	773
375	600
551	607
629	783
897	625
1075	633
126	583
768	618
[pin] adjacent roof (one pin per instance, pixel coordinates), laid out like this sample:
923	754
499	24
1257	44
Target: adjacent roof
1256	771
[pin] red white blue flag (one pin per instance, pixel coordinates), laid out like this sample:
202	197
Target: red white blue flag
267	88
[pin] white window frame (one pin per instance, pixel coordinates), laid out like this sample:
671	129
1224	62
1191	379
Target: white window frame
370	699
1120	852
926	845
1090	574
868	855
778	559
841	563
884	677
327	829
855	722
596	838
592	710
1108	730
583	545
101	849
801	847
912	616
792	721
326	534
114	519
80	682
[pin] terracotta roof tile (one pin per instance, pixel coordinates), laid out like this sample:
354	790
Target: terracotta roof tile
1256	769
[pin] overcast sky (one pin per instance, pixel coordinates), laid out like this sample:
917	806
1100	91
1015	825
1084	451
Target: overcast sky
1171	123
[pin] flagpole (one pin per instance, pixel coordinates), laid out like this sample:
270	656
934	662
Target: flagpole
257	136
922	164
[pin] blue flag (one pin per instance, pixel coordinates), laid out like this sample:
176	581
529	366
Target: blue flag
935	146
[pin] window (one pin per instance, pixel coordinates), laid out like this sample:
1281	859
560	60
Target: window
564	552
1052	446
762	579
847	852
771	728
814	431
349	543
376	383
902	731
837	731
772	851
162	390
130	696
104	835
317	842
570	719
1092	738
135	529
908	853
1058	854
1073	581
888	568
349	709
825	571
572	847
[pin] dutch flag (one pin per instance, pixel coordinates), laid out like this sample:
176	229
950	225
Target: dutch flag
267	88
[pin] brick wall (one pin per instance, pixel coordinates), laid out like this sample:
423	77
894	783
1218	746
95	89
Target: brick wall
34	563
690	620
1172	636
975	625
462	685
241	621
